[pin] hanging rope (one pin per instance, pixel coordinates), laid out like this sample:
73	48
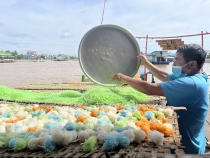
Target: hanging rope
103	13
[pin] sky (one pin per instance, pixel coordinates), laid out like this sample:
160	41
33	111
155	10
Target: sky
57	26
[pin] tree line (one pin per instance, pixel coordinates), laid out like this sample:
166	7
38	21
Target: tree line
14	55
10	55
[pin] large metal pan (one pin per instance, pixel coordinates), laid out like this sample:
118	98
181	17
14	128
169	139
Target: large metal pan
106	50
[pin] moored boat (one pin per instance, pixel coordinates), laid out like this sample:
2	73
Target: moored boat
160	57
7	60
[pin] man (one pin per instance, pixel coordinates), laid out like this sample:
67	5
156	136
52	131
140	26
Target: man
186	86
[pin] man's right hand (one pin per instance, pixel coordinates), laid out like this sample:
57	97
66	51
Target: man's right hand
117	77
143	58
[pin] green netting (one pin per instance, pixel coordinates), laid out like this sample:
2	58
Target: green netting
94	96
104	95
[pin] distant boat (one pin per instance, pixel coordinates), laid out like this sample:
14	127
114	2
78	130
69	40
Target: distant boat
171	59
160	57
61	57
38	61
160	62
7	61
207	60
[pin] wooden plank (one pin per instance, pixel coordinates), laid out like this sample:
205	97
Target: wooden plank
195	156
179	108
207	131
208	118
207	128
180	43
179	153
170	47
169	41
167	144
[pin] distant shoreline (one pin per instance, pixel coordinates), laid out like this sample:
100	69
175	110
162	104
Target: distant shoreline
25	60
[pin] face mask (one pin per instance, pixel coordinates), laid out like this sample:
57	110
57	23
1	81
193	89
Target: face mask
177	71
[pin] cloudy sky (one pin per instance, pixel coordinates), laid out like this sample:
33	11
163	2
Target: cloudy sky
57	26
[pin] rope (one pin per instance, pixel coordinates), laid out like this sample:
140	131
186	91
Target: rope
103	13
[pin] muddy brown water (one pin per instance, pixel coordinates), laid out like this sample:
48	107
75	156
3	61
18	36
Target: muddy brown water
23	73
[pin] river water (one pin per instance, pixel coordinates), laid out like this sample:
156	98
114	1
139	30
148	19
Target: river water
23	73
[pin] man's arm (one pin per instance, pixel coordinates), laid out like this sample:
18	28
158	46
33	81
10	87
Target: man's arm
139	85
160	74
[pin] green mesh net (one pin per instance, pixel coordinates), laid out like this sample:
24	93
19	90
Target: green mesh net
95	96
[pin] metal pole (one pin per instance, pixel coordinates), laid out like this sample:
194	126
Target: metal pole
145	75
202	39
207	33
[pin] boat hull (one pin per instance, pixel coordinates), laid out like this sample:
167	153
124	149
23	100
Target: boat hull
160	62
